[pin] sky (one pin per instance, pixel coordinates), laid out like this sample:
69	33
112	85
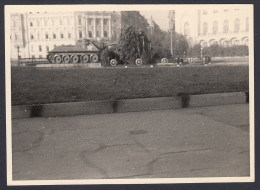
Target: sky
160	17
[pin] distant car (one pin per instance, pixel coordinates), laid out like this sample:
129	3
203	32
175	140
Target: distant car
193	60
165	60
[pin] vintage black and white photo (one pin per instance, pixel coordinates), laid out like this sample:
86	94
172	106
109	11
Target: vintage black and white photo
107	94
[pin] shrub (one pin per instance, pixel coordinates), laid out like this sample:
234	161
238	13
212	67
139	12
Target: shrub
216	50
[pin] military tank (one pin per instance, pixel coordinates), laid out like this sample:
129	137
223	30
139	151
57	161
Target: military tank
84	51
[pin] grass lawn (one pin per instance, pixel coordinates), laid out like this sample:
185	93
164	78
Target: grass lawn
31	85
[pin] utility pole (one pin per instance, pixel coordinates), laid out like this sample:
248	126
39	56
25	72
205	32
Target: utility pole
171	44
172	28
201	55
18	51
28	39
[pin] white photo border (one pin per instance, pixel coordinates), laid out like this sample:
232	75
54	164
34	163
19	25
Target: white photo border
116	7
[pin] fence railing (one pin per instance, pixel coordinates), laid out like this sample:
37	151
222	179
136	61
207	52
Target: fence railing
32	60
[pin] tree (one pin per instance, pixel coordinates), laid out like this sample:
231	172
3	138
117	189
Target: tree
161	43
134	19
180	44
194	51
130	45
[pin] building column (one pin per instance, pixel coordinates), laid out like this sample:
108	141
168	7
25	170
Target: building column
94	29
83	27
86	28
102	27
109	27
199	22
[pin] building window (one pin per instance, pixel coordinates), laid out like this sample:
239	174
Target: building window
69	35
215	27
80	34
89	21
32	37
40	48
47	48
186	29
97	34
61	23
105	33
213	42
33	56
68	21
226	43
247	24
225	27
38	23
46	36
235	42
97	21
15	37
79	20
54	36
205	12
38	36
215	11
45	22
90	34
40	56
236	25
105	21
14	23
31	48
61	35
114	35
205	28
114	20
31	24
225	10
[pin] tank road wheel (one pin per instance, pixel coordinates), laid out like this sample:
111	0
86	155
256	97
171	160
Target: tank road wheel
138	62
94	58
50	58
191	60
57	59
164	60
75	59
66	59
113	62
84	58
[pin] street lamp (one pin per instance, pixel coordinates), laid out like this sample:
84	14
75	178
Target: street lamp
18	53
201	56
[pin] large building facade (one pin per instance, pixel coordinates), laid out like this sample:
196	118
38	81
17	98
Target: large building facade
213	26
32	35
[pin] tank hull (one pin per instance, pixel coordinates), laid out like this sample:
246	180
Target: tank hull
87	52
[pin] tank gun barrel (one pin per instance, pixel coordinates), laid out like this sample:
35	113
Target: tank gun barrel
111	44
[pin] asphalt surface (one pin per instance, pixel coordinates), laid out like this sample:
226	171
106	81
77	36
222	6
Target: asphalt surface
193	142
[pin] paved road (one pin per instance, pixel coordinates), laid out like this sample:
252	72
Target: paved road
197	142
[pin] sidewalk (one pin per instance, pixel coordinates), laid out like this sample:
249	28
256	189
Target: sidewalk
191	142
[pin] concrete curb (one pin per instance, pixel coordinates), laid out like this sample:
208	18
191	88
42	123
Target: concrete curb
128	105
79	65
